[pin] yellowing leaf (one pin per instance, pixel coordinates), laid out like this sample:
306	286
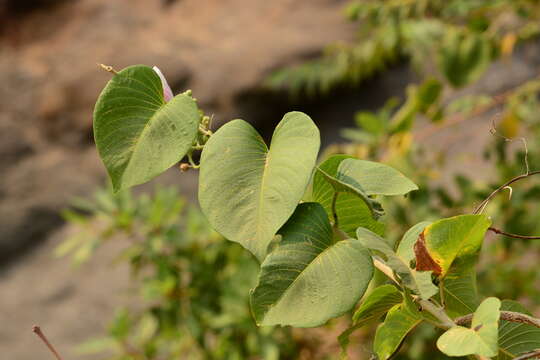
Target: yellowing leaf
481	339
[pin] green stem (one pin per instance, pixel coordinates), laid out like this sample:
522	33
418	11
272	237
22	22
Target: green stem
505	315
205	131
438	313
191	162
441	291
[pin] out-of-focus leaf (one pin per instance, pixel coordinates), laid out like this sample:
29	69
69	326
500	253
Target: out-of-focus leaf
464	57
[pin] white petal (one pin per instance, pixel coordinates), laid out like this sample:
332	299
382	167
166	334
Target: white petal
167	92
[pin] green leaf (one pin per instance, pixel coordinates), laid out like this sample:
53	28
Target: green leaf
374	178
429	93
419	282
401	319
370	122
405	248
376	304
481	339
459	287
261	187
445	240
341	187
403	119
139	135
308	279
352	211
464	56
515	338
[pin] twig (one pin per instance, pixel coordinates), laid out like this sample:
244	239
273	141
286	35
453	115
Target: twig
455	119
37	330
438	312
505	315
108	68
535	354
483	204
493	131
460	117
516	236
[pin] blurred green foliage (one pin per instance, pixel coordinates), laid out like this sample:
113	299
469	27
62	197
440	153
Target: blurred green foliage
193	285
453	39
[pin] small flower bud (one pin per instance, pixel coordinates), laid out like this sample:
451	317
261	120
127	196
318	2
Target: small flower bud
184	167
167	92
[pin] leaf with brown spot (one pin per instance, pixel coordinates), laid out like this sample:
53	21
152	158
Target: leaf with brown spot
449	239
424	261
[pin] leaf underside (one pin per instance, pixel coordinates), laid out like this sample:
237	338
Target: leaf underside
308	278
239	175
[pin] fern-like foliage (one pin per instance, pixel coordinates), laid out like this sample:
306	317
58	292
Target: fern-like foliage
455	39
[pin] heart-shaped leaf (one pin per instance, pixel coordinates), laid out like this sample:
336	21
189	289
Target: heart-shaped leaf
260	186
352	211
376	304
445	240
309	279
481	339
137	133
419	282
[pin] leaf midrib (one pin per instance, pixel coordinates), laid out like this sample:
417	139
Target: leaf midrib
138	138
300	275
261	202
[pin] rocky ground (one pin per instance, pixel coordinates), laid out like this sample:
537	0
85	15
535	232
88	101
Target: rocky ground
222	49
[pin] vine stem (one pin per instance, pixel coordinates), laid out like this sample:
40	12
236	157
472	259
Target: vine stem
505	315
516	236
530	355
37	330
484	203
